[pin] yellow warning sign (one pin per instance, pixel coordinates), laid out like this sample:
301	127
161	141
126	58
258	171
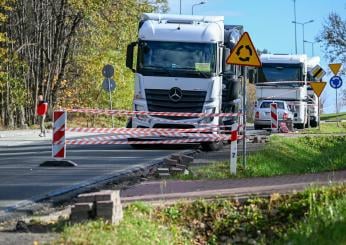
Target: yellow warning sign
335	68
244	53
318	87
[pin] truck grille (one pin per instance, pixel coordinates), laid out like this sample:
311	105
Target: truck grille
191	101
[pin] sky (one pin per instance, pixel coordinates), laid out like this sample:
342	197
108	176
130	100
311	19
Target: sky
269	23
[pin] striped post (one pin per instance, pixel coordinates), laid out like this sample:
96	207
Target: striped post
234	143
274	117
59	144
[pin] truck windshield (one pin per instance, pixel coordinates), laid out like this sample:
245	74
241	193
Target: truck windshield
177	59
280	72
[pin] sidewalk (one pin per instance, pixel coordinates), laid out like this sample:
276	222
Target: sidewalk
31	137
167	190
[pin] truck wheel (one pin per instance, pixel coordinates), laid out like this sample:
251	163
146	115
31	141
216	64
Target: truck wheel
257	127
212	146
313	124
299	125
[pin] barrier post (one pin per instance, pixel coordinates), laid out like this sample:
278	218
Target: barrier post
58	139
234	150
59	142
274	118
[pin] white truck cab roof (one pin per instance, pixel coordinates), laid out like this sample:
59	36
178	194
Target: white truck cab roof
184	28
284	58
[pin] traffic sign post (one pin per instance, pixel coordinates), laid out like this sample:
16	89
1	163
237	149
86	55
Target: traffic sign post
335	82
109	84
244	54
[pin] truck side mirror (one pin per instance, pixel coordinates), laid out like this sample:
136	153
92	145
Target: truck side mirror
129	55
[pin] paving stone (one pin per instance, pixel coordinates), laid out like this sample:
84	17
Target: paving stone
169	161
109	211
175	157
85	198
186	159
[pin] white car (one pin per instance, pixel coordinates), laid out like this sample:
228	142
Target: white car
262	113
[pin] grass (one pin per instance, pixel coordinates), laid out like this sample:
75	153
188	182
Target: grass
327	128
334	116
315	216
280	157
137	227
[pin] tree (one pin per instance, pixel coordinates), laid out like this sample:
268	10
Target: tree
58	47
333	38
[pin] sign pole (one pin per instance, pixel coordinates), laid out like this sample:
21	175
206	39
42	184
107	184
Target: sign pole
244	117
336	107
319	113
110	100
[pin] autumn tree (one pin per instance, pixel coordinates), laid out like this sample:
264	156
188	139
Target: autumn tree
58	47
333	38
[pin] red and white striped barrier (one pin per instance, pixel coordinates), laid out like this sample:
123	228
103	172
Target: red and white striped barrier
58	142
150	113
274	117
202	137
139	142
136	130
209	133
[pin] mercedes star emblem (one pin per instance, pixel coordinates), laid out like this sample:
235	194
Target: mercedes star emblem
175	94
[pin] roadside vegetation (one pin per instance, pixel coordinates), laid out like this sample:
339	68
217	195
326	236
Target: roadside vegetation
281	156
327	128
315	216
334	116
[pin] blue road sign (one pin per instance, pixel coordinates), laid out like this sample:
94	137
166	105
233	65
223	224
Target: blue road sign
335	82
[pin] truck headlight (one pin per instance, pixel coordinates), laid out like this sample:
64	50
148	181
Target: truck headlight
210	110
141	108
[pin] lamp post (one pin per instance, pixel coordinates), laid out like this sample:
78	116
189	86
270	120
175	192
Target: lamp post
180	7
312	46
303	24
295	25
196	4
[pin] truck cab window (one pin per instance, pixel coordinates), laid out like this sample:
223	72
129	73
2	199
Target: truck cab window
177	58
280	72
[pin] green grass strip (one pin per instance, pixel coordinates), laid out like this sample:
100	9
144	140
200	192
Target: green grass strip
280	157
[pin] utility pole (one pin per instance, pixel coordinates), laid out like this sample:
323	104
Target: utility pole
295	25
180	7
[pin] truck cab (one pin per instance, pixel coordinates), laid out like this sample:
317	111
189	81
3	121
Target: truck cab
284	77
180	67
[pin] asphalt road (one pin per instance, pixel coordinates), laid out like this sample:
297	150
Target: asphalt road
22	179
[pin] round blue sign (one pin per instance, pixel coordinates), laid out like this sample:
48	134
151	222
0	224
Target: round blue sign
335	82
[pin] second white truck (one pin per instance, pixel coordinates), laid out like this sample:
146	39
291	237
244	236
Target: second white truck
286	78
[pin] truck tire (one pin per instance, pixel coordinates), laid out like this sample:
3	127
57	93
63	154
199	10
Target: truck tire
313	123
257	127
212	146
299	125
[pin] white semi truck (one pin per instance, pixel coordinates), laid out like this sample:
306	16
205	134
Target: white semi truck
285	77
180	67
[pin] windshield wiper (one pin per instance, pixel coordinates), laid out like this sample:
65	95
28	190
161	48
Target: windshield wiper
204	74
158	69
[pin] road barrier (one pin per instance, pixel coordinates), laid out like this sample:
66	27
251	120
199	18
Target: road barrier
205	133
58	140
274	117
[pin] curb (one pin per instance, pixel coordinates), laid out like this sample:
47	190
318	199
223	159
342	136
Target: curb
26	207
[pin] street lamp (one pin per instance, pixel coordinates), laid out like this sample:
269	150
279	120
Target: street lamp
303	24
312	46
196	4
295	25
